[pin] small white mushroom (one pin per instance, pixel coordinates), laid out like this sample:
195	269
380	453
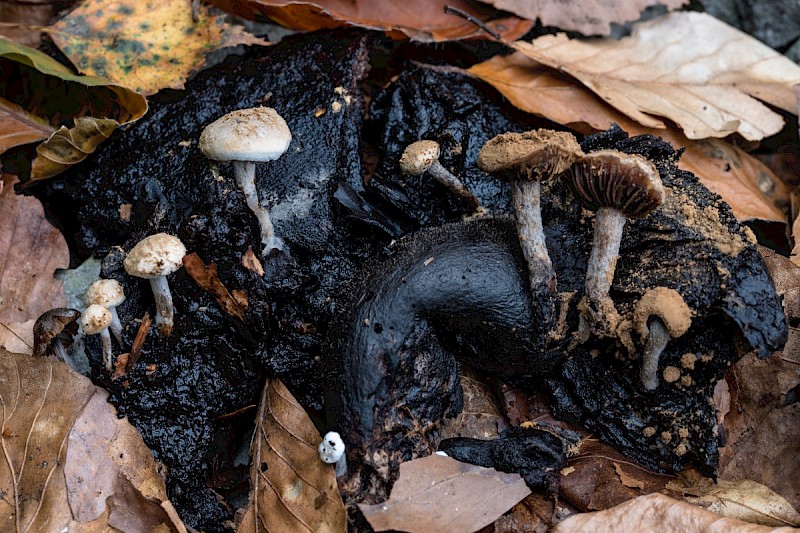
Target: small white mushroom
331	451
96	319
246	137
423	156
154	258
108	293
660	315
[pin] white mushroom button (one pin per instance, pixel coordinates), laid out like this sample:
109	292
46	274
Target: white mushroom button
246	137
108	293
154	258
331	451
95	320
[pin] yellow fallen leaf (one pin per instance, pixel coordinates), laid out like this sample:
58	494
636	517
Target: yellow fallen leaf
69	146
747	185
145	45
687	67
589	17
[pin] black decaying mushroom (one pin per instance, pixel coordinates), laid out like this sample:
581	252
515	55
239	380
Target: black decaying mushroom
423	156
154	258
525	159
246	137
617	186
52	330
660	315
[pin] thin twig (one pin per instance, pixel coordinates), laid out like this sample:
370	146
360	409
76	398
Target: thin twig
450	10
138	341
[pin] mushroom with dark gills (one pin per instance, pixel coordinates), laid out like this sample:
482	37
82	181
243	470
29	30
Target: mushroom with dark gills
617	186
154	258
423	156
52	330
246	137
525	159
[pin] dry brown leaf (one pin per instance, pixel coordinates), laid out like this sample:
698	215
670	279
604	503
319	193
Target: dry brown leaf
16	337
480	417
589	17
18	126
601	477
24	14
31	250
441	494
422	20
749	187
69	462
656	513
534	514
235	303
745	500
69	146
147	46
762	432
688	67
291	489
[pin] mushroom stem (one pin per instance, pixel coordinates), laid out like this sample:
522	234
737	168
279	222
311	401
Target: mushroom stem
525	197
608	226
657	340
245	175
453	184
163	298
116	325
105	337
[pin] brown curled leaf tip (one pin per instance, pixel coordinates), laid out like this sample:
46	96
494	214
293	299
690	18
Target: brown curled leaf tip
609	178
50	325
532	155
208	280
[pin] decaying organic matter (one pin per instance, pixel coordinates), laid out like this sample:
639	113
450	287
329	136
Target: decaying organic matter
388	318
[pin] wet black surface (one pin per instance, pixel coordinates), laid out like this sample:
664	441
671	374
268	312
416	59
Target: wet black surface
470	299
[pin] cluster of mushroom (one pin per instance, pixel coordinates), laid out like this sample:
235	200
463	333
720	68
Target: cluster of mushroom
614	185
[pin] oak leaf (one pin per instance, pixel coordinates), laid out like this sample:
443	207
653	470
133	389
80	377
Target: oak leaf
441	494
687	67
421	20
68	462
148	45
291	489
657	513
589	17
748	186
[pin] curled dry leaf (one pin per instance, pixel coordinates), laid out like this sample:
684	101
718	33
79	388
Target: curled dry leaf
705	84
234	303
87	471
657	513
749	187
441	494
144	45
422	20
589	17
69	146
291	489
31	250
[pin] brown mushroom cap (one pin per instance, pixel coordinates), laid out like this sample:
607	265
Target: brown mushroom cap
609	178
418	157
530	155
666	304
50	325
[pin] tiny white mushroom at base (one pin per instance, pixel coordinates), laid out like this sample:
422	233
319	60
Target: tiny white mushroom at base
95	320
108	293
331	451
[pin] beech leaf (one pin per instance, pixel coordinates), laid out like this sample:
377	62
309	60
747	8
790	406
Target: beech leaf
437	493
68	462
17	126
657	513
291	489
690	68
69	146
747	185
421	20
31	250
589	17
144	45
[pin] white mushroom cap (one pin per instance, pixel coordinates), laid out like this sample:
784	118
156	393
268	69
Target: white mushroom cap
105	292
154	256
418	157
95	319
331	449
258	134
